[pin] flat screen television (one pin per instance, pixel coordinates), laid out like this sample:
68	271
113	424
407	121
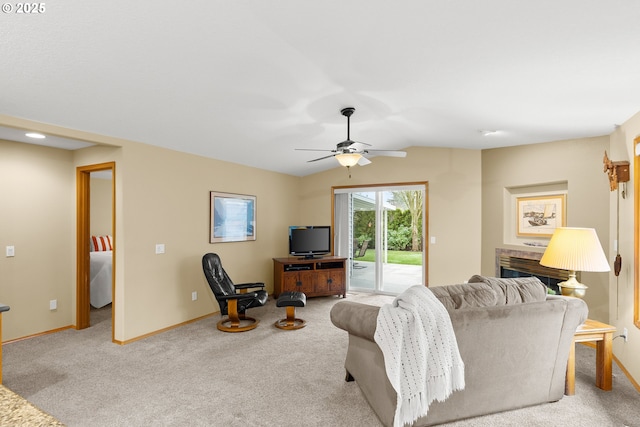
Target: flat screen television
311	241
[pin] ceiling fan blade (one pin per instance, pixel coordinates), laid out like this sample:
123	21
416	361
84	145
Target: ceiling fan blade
359	146
313	149
388	153
363	143
321	158
363	161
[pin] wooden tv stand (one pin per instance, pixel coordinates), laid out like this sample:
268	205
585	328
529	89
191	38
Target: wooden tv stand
315	277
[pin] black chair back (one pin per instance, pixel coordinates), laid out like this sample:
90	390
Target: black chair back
218	279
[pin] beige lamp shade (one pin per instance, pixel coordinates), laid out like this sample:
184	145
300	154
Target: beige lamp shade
575	249
348	159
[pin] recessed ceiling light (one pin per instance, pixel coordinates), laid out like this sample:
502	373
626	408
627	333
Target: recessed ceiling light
488	132
35	135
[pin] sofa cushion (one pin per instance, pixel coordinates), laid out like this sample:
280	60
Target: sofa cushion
454	297
514	290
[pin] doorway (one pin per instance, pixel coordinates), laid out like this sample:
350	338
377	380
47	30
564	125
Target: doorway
83	245
381	230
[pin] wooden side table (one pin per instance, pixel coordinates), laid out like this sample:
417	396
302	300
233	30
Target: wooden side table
602	334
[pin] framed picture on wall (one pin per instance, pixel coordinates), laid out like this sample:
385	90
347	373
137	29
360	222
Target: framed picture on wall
540	215
232	217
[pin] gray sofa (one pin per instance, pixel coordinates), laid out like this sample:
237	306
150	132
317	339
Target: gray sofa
513	338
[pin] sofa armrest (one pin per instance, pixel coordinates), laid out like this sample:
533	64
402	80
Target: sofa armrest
575	307
356	318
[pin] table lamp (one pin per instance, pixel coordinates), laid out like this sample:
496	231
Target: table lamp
574	249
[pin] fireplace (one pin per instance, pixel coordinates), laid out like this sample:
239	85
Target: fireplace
514	263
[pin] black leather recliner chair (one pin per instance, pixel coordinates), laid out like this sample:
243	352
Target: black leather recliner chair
234	300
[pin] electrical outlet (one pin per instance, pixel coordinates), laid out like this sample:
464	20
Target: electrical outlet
53	304
160	248
11	251
625	333
194	295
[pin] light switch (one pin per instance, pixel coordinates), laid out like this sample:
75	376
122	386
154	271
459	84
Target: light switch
11	251
160	248
433	240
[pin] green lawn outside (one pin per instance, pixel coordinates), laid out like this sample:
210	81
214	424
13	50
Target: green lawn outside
395	257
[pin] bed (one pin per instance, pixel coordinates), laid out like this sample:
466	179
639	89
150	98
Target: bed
100	273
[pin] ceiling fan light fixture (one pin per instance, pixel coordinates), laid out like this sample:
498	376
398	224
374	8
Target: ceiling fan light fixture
348	159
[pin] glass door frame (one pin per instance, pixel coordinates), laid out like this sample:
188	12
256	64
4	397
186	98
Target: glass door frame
424	186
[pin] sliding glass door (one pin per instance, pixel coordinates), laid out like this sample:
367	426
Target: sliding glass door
381	230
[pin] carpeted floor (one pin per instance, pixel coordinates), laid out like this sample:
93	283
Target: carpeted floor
198	376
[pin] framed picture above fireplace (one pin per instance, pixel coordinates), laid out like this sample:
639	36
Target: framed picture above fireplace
540	215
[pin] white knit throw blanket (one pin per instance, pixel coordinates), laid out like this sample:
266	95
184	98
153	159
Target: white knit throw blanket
420	351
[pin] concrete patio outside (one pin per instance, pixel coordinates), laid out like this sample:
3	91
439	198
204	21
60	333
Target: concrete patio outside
396	277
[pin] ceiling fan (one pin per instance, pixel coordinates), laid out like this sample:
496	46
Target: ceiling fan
350	153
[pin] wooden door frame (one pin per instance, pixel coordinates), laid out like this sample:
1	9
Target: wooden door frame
83	234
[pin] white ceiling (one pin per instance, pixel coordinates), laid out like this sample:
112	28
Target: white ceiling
249	81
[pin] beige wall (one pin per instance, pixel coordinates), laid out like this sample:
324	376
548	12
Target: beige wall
100	206
167	201
621	288
37	217
577	166
454	199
